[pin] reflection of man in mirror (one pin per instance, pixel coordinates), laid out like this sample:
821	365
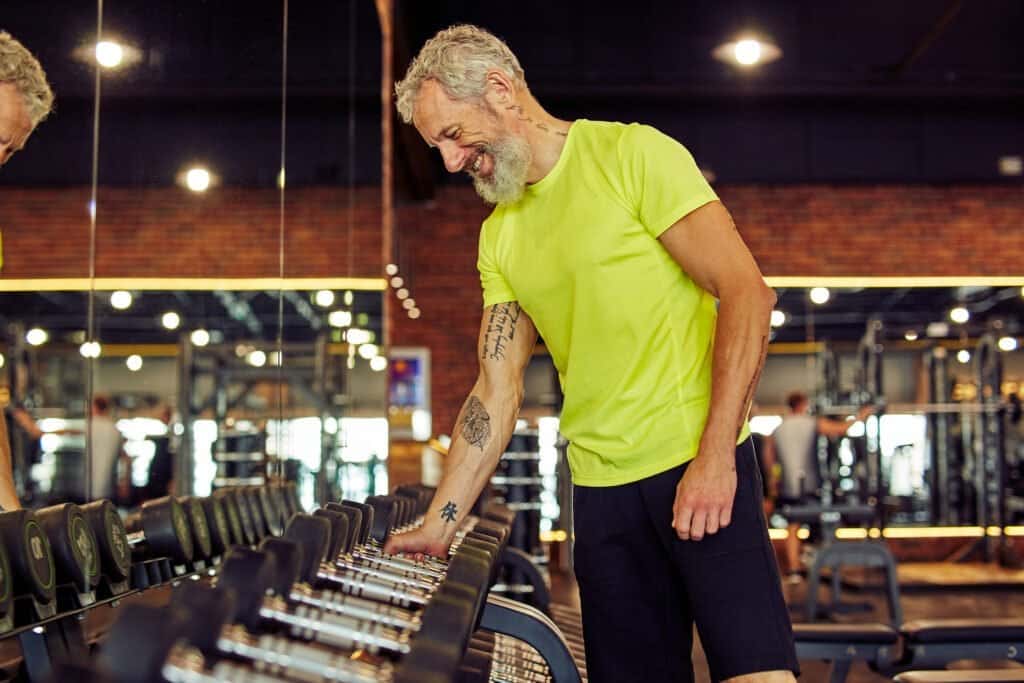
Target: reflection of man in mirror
25	100
25	96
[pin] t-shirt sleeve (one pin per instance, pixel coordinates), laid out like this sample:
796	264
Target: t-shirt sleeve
661	179
496	289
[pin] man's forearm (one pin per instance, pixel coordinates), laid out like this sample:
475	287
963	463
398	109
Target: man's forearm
481	432
8	492
741	344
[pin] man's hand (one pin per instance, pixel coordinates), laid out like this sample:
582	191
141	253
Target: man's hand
704	496
423	541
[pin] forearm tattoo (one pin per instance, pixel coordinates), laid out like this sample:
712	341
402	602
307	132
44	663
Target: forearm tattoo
449	511
748	396
521	115
476	423
501	330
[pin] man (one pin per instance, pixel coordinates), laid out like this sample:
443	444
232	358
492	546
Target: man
608	241
793	445
106	447
25	100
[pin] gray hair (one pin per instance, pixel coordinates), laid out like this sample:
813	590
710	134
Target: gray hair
20	68
458	58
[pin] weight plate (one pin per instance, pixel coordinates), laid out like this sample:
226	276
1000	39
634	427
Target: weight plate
40	559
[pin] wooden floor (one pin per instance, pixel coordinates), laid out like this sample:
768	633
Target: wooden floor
917	604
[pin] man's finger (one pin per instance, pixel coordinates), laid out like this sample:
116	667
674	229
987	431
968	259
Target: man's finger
698	525
682	523
724	516
712	522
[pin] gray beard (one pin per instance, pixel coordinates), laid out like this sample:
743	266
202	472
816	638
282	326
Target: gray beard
507	182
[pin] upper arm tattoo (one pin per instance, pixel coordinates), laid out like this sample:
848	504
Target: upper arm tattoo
501	330
476	423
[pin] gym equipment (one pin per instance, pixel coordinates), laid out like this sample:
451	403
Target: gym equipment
218	524
244	532
161	529
32	570
201	542
962	676
75	552
112	544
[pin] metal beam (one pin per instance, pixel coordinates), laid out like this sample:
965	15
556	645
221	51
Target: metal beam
924	42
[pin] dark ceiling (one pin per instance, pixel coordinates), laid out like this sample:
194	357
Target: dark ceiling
866	91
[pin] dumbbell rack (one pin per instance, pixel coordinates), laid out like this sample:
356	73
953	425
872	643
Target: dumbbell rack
518	484
241	459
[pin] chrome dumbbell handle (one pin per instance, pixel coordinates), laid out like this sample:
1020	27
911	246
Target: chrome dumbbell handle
335	630
340	603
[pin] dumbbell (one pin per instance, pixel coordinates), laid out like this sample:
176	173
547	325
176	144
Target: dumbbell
293	577
161	529
6	591
260	586
209	613
75	553
312	535
111	540
31	558
238	510
509	657
236	533
202	541
218	523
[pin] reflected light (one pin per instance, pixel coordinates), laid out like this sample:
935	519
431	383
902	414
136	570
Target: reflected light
36	336
339	318
910	335
402	294
391	269
963	355
820	295
959	315
358	337
1007	344
378	363
256	358
747	52
409	304
90	349
109	54
170	320
200	337
414	313
778	318
324	298
134	362
198	179
121	300
368	351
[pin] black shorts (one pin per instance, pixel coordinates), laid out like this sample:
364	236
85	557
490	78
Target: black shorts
643	589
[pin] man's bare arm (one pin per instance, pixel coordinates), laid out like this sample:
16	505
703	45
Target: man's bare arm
709	249
8	493
482	429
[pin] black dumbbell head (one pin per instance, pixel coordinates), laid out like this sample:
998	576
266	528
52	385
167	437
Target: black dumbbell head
339	532
111	539
203	545
354	524
431	659
274	515
249	574
168	533
250	497
385	514
367	519
447	619
244	515
217	524
313	534
29	553
234	517
287	559
75	554
203	611
6	584
138	643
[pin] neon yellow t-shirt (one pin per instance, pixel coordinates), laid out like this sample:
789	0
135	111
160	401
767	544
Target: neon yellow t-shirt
629	332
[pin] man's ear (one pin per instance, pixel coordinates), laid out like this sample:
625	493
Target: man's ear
500	88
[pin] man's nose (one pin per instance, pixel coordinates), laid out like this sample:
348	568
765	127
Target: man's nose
453	155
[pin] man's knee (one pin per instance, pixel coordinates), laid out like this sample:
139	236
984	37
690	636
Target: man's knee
764	677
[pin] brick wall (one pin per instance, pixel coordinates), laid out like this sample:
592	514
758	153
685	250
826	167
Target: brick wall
792	230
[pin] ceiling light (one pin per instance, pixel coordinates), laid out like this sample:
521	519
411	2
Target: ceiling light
3	361
391	269
256	358
959	315
964	356
378	363
36	336
936	330
121	300
778	318
414	313
171	320
90	349
397	282
409	304
402	294
134	362
1011	165
109	54
368	351
358	337
339	318
280	179
198	179
324	298
747	52
910	335
1007	344
820	295
200	337
349	297
275	358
